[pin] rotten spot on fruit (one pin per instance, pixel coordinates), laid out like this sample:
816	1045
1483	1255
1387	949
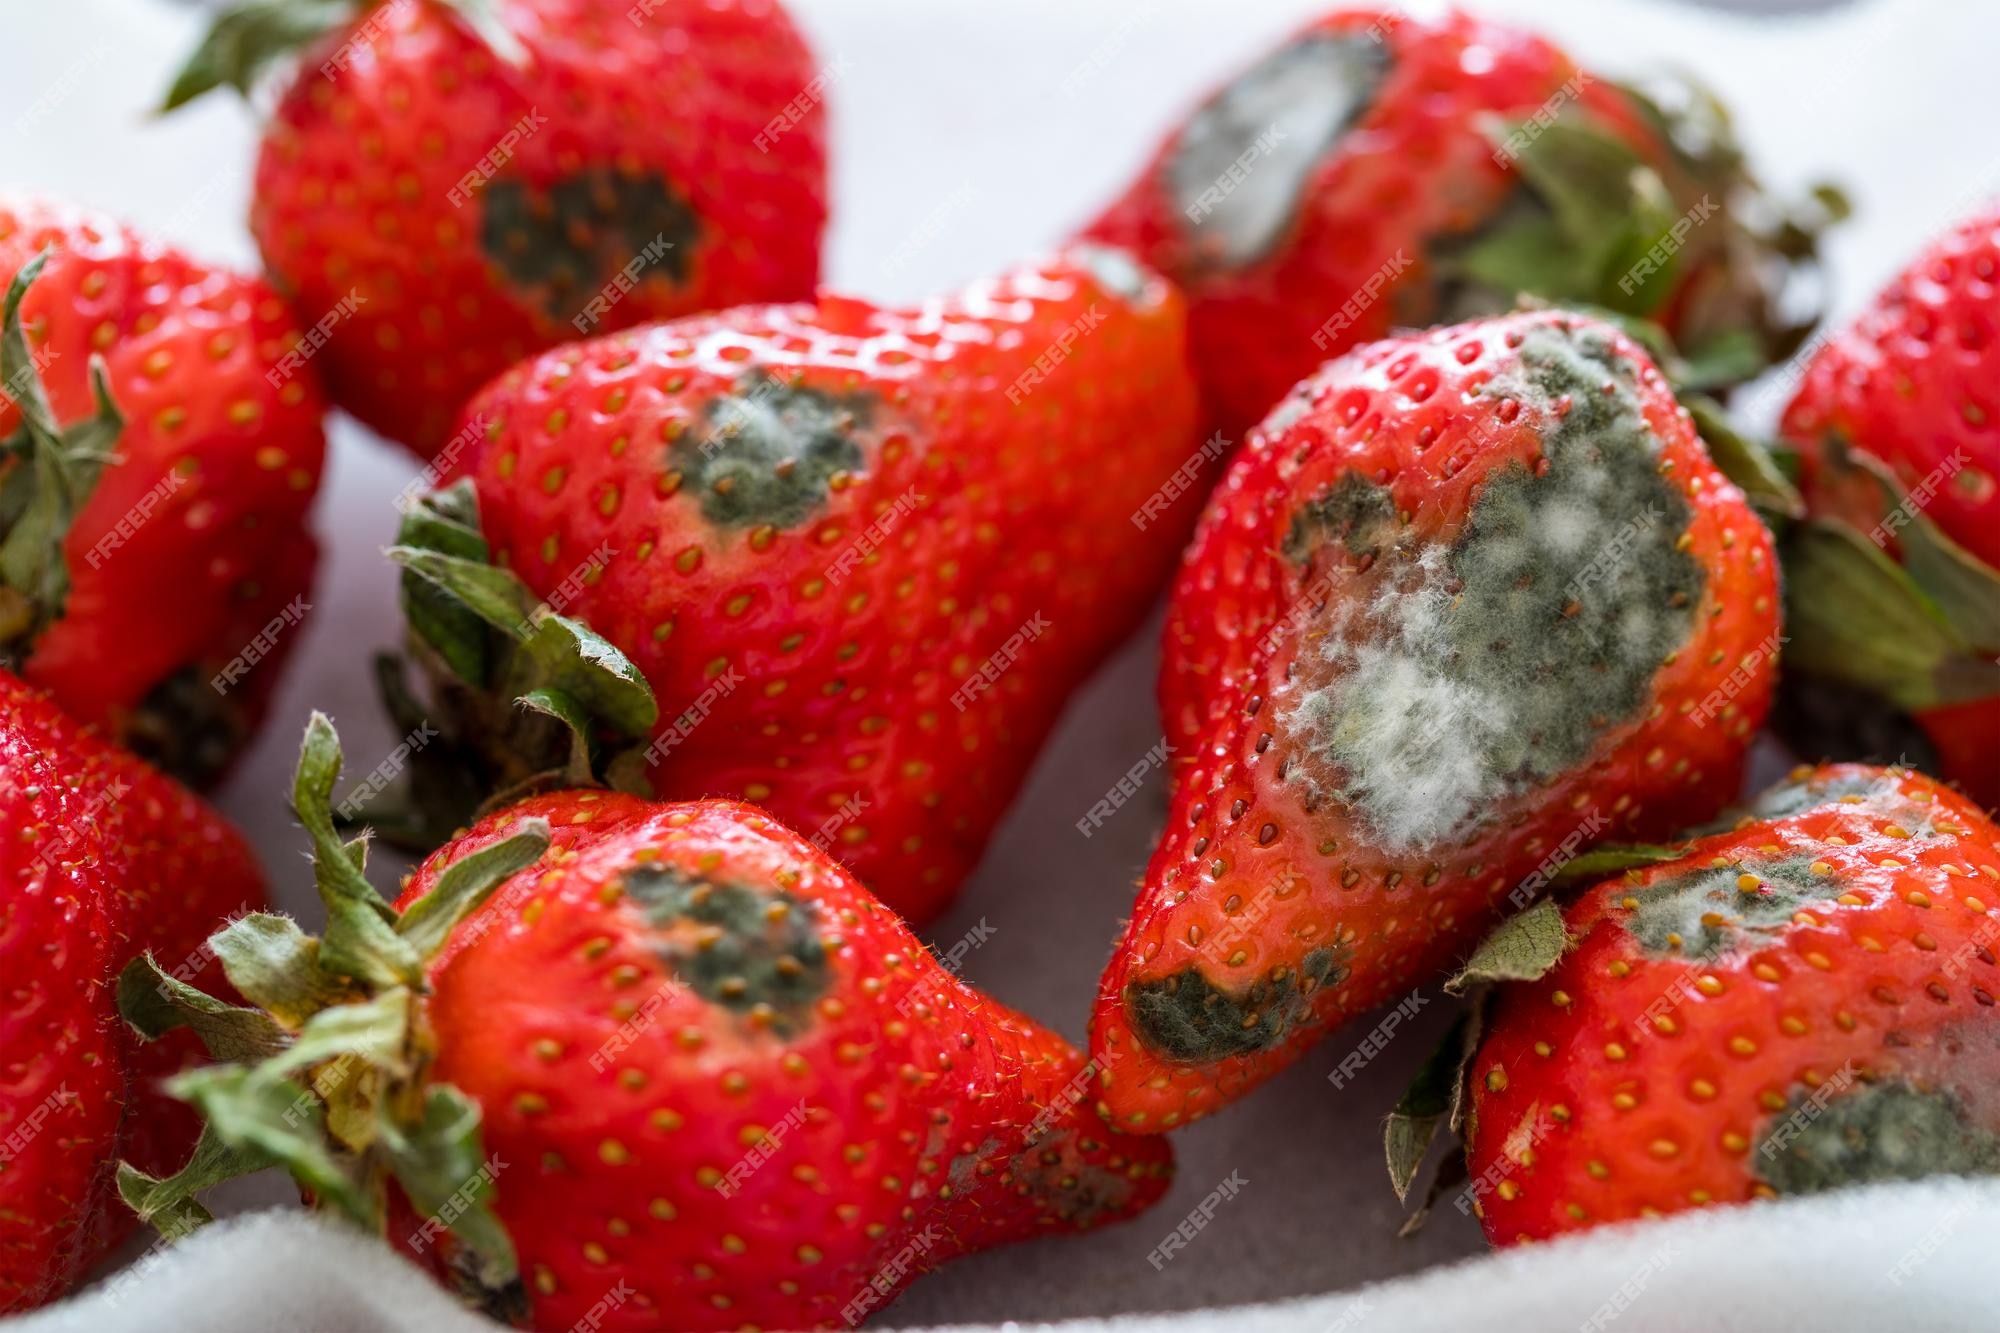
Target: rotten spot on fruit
560	245
769	450
1447	679
1704	913
1851	1132
1188	1018
732	945
1240	168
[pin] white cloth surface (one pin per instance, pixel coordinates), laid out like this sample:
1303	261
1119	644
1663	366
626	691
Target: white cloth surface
964	138
1905	1257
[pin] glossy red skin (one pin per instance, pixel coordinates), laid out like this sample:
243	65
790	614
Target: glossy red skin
104	858
1912	383
848	679
917	1090
1416	168
201	568
1403	411
1893	970
356	170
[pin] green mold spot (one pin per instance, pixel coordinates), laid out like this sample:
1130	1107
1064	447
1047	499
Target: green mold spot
734	946
1465	676
1711	914
1240	168
1358	514
769	449
1187	1018
1792	798
563	245
1851	1133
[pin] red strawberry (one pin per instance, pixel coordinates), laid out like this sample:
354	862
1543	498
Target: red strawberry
1377	171
1893	421
449	186
861	556
103	857
664	1060
1798	1004
128	589
1466	601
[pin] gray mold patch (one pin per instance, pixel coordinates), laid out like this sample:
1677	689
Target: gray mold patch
1237	174
1460	677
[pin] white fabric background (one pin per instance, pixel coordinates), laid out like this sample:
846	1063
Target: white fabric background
962	142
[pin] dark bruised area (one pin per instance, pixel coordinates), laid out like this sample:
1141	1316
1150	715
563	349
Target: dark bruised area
1068	1186
1708	912
562	244
1465	675
1187	1018
1871	1132
185	728
1236	176
744	950
766	452
1354	512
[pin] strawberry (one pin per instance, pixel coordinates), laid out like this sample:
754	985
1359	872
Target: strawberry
667	1060
1896	588
1377	171
1802	1002
842	562
451	185
162	445
103	857
1467	601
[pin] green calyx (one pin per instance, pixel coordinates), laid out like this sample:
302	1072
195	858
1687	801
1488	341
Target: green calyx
1903	612
325	1072
523	697
46	474
1685	237
250	39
